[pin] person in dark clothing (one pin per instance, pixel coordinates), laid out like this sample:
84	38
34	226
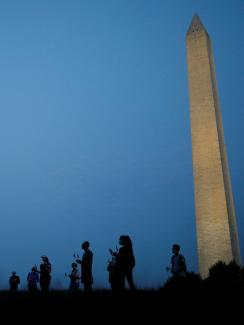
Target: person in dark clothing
45	274
116	277
86	266
74	278
178	263
33	279
14	281
126	259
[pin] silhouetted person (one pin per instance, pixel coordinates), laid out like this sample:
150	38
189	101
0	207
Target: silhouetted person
116	276
14	281
86	266
33	279
74	278
126	260
45	273
178	263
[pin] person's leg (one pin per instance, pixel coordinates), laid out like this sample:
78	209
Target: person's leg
42	284
87	280
45	285
87	286
119	282
129	278
48	283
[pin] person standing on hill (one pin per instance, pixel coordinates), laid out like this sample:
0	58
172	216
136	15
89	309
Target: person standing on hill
125	259
33	279
74	278
45	273
86	266
116	277
14	281
178	263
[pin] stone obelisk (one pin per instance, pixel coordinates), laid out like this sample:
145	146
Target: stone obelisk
217	236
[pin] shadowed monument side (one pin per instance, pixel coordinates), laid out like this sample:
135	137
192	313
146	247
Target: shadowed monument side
217	236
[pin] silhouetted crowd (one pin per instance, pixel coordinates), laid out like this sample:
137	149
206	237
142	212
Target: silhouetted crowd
120	269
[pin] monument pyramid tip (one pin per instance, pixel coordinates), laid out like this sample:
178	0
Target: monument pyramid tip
196	25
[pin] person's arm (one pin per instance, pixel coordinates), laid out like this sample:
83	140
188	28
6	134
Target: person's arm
112	252
172	262
78	277
49	268
79	261
183	263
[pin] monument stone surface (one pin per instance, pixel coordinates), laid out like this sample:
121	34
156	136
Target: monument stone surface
217	236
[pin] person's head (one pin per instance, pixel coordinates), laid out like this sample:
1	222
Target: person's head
34	268
125	240
175	249
85	245
13	273
44	258
74	265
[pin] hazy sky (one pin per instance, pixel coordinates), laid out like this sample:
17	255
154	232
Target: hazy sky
95	130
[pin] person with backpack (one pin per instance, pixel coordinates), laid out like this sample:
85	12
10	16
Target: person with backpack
178	262
33	279
14	281
45	273
125	259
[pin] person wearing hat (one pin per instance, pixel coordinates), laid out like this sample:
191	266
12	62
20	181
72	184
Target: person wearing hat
14	281
45	273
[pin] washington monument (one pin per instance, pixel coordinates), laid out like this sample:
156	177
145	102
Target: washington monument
217	236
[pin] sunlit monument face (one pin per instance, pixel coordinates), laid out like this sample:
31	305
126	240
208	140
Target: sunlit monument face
217	236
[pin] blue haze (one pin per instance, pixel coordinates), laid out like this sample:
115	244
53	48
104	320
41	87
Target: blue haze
95	130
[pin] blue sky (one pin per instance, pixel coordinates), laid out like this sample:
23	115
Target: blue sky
95	130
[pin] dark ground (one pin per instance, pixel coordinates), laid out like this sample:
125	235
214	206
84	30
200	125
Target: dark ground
105	307
216	299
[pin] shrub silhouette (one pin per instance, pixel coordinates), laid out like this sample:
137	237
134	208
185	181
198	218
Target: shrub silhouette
221	277
192	281
225	276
